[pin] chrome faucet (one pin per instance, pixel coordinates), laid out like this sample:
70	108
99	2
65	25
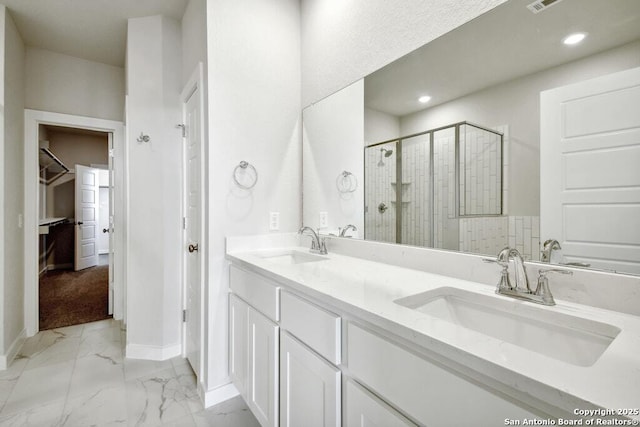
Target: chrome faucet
547	249
347	228
318	245
522	290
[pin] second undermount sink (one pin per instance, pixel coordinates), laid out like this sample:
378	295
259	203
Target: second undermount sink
290	257
571	339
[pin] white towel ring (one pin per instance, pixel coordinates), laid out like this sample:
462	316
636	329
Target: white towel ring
346	182
245	175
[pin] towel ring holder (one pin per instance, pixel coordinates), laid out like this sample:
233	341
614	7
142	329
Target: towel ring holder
246	169
346	182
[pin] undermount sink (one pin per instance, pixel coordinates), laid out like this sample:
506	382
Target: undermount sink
291	257
561	336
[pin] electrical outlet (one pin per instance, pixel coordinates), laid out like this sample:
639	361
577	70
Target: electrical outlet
324	220
20	220
274	221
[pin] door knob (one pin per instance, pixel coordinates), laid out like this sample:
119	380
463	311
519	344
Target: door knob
79	222
193	248
105	230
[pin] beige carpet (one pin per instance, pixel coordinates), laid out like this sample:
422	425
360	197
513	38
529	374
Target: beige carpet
73	297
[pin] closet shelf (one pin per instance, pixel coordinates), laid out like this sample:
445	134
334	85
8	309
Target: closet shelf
46	223
51	167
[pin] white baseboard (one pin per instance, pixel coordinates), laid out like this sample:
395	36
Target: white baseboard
14	349
218	394
152	352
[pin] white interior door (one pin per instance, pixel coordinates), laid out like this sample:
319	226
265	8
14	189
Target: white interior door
86	213
590	170
110	221
192	114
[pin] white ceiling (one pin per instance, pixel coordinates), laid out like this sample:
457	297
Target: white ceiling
91	29
505	43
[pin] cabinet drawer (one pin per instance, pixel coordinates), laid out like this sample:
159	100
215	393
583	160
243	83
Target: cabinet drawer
424	390
364	409
259	292
316	327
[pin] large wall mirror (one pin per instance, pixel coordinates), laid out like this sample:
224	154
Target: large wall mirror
442	148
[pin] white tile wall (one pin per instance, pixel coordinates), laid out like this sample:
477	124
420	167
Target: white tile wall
488	235
416	187
480	170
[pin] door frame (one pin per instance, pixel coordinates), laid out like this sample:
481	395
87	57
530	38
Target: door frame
195	82
32	119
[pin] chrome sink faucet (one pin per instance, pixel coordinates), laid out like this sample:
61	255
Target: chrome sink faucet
347	228
522	290
547	249
318	245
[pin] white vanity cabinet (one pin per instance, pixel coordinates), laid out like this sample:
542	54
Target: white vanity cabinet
309	387
262	379
423	389
310	383
363	409
254	343
292	358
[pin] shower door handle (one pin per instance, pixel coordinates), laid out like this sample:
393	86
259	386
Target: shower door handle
193	248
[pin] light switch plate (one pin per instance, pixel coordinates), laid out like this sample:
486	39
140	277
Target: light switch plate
324	220
274	221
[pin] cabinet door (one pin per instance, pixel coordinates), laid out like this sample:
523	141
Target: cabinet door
238	343
309	387
365	410
262	386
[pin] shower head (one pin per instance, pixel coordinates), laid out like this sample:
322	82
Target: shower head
387	153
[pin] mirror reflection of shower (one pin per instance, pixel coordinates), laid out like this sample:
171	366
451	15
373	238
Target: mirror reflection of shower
386	153
436	189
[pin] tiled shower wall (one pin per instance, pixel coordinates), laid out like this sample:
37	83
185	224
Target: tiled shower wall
488	235
380	172
480	166
415	187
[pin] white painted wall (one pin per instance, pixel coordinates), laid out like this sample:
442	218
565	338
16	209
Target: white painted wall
12	184
517	103
154	171
254	115
330	150
194	38
66	84
379	126
343	41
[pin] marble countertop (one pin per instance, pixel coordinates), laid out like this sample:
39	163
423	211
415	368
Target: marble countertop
368	290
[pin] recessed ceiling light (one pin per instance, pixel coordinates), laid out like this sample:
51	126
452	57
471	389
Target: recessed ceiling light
424	99
574	38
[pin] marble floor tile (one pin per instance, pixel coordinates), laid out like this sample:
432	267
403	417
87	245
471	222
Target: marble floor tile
100	324
39	386
157	399
186	421
104	342
39	416
136	368
94	373
9	378
78	376
105	407
232	413
51	347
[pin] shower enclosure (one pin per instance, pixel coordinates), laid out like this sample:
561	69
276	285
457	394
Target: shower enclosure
419	189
